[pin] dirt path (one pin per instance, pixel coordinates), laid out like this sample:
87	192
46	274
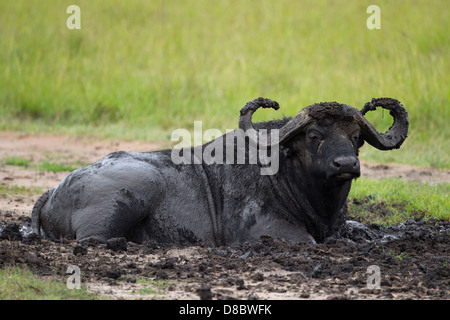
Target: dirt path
413	265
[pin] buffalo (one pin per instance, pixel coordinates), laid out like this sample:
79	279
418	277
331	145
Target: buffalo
149	196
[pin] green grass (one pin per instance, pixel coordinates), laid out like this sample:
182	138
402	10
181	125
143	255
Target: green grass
16	161
18	283
15	190
43	165
140	69
151	286
391	201
154	286
56	166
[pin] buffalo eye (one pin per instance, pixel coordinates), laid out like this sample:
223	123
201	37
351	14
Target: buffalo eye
314	138
356	139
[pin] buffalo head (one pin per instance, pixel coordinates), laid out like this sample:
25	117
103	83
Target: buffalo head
325	137
319	147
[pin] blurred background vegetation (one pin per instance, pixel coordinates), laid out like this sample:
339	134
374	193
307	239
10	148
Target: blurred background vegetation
140	69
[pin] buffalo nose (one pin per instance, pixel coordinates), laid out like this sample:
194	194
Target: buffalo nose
346	164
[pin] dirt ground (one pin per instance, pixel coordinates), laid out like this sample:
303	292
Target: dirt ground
413	258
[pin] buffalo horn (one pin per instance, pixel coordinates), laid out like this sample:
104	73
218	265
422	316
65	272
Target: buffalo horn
394	137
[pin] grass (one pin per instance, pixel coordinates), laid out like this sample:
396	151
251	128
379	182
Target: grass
16	161
43	165
15	190
56	166
139	70
151	286
391	201
20	284
154	286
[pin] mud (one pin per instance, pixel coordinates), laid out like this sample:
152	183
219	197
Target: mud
413	257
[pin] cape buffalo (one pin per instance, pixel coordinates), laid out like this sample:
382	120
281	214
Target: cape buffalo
146	196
